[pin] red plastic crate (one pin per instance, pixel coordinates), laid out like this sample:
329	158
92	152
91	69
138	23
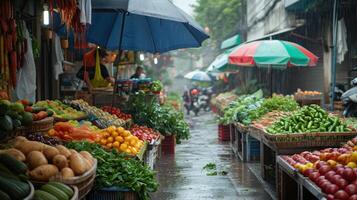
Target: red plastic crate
223	132
168	145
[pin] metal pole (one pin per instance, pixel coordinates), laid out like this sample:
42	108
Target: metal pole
119	54
334	52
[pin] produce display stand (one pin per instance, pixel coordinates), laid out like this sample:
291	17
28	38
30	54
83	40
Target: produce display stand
152	153
309	100
272	146
233	141
223	132
240	141
112	193
290	181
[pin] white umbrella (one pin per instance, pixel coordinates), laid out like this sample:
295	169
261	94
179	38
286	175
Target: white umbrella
198	75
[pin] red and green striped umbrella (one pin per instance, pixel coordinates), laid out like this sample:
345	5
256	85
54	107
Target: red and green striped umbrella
275	53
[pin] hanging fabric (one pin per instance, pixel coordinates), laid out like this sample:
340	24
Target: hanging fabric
342	46
26	76
57	57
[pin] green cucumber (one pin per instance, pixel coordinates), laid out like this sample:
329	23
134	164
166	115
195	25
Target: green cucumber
59	194
43	195
15	189
65	188
17	167
4	195
5	172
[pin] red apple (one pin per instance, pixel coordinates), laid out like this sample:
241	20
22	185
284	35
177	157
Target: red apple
342	195
349	174
324	184
354	182
353	197
324	169
330	197
314	175
320	178
341	183
331	189
329	175
335	178
351	189
340	170
319	164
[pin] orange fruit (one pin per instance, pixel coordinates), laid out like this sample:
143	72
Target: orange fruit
124	145
103	141
133	142
114	134
116	144
119	139
120	129
109	145
134	151
126	133
110	139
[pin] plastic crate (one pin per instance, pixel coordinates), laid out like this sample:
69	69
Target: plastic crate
252	149
168	145
223	132
112	193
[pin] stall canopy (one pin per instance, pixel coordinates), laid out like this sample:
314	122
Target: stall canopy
274	53
220	64
231	42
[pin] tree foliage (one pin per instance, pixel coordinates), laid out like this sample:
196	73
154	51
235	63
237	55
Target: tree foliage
220	16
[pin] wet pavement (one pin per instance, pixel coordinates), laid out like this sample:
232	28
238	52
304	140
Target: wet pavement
181	176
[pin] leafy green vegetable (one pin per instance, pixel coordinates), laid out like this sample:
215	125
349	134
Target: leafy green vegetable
238	110
116	169
164	119
277	102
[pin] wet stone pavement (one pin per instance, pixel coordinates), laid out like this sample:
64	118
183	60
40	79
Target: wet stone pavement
181	176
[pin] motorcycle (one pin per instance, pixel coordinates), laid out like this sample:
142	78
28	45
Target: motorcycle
204	99
349	99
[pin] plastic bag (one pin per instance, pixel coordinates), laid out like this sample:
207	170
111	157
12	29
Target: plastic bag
98	80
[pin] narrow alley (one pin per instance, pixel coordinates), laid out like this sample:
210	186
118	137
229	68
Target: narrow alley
181	176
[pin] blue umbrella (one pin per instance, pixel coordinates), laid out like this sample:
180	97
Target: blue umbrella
198	75
153	26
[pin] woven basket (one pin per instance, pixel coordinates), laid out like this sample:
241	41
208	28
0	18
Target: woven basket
298	140
241	127
255	132
43	125
84	183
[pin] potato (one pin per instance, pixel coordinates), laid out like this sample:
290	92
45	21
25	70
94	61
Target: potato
63	150
73	151
88	156
19	140
27	146
67	173
77	164
35	159
50	152
15	153
60	161
43	172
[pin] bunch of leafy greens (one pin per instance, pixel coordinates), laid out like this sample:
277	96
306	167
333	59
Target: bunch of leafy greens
238	111
164	119
277	102
116	169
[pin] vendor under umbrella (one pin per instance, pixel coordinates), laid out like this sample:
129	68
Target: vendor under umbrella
139	73
88	70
